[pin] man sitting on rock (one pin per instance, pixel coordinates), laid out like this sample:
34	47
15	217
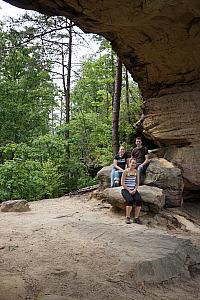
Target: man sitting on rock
119	165
140	153
130	183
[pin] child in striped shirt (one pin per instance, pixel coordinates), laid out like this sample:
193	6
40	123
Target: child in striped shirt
130	183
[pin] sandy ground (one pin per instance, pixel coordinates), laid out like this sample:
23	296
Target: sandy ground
44	255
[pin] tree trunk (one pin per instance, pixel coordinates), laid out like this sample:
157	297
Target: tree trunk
116	106
128	98
67	95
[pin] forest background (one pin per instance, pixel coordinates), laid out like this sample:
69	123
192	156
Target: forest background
60	121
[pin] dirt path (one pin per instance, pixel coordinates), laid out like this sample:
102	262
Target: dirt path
53	253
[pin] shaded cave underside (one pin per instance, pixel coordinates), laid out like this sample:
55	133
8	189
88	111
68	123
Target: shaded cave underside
159	43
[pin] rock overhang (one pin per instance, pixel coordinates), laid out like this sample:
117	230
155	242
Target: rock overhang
158	41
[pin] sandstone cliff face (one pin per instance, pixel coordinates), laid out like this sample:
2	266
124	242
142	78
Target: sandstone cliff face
159	42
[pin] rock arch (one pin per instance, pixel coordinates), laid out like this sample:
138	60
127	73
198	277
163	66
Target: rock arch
159	42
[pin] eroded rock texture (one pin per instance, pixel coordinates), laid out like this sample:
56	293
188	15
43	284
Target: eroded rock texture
159	42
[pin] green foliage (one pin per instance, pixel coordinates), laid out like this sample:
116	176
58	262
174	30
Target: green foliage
28	179
26	91
91	111
91	139
40	169
133	111
94	87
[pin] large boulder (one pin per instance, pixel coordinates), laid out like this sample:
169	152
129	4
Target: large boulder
188	159
104	176
15	206
163	174
152	197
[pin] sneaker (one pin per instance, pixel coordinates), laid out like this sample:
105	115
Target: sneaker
137	221
128	220
116	183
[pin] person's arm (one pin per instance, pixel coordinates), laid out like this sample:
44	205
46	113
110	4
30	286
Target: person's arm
128	162
146	160
124	174
127	158
137	181
116	166
132	154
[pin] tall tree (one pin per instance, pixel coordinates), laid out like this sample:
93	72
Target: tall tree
68	86
127	96
116	106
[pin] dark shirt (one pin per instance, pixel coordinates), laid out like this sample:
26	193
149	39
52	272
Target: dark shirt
121	161
139	154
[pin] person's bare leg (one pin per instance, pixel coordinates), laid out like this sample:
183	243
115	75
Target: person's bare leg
128	211
128	214
137	211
